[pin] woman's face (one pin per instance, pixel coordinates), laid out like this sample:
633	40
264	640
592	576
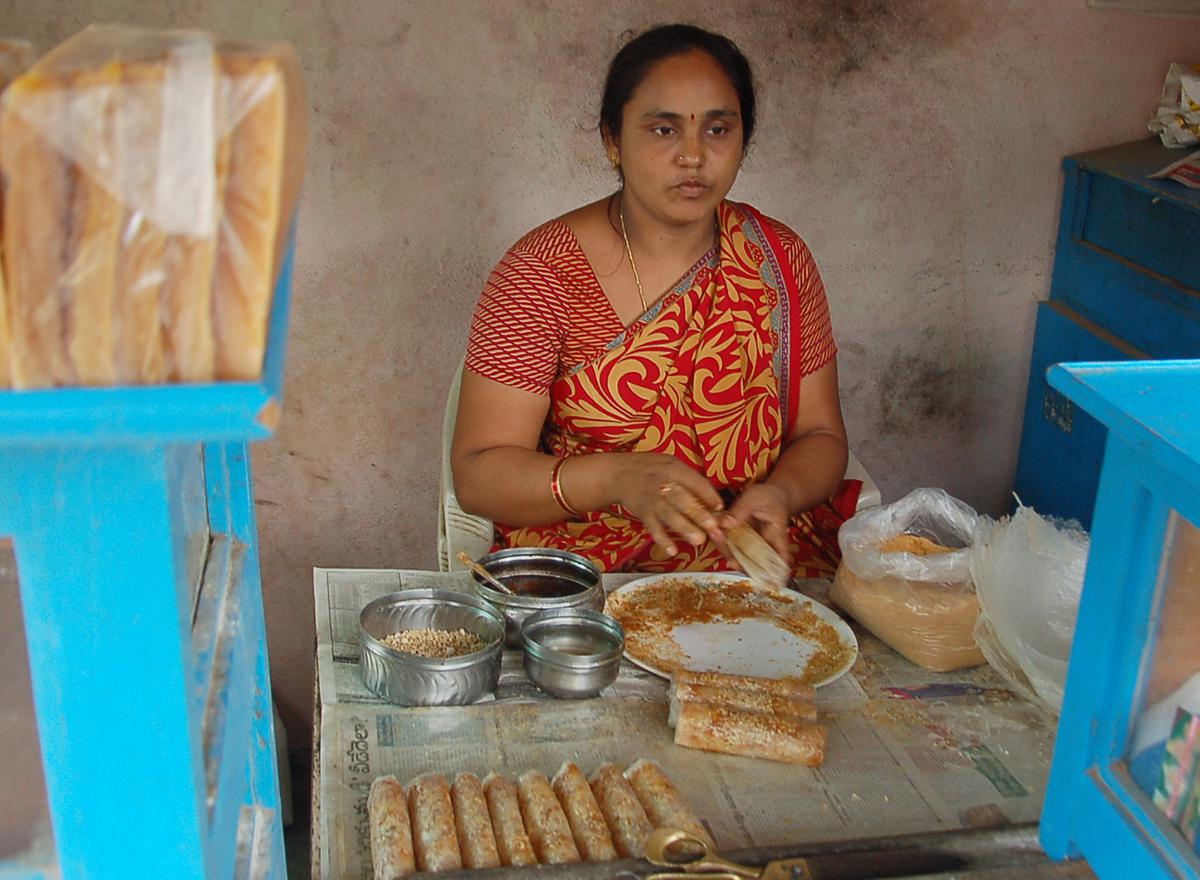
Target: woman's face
681	139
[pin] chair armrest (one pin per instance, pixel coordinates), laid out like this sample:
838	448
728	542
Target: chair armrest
458	531
869	496
463	532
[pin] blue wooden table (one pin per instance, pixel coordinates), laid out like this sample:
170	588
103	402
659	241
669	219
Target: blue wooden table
132	518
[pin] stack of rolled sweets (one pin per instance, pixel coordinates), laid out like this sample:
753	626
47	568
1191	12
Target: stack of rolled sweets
150	179
751	716
493	823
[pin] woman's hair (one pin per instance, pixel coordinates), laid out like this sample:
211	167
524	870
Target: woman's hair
631	64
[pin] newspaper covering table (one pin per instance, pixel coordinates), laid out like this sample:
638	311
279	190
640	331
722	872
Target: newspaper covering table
908	750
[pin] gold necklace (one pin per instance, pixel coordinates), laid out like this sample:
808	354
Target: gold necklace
629	253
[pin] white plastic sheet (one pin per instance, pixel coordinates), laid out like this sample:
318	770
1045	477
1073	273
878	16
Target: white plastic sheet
1028	572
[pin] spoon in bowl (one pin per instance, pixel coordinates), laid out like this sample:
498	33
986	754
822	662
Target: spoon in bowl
492	581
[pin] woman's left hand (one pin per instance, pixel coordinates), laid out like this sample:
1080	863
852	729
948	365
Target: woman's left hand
764	508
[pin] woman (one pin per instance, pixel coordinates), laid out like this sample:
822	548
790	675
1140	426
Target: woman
656	367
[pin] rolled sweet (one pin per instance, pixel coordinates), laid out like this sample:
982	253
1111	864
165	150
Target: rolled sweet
750	734
787	686
434	837
391	832
473	823
588	827
37	198
89	279
512	843
545	822
263	170
622	811
664	805
751	701
140	341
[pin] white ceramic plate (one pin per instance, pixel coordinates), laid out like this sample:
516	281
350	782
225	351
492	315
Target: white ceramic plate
763	634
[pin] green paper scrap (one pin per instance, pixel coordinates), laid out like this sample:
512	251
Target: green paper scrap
1177	794
1190	820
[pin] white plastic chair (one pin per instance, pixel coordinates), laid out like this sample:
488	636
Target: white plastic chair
466	532
458	531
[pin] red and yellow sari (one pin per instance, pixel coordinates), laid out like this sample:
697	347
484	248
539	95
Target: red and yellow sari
710	374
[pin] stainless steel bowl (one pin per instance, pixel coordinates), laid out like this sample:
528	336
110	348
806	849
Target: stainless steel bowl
572	652
530	569
410	680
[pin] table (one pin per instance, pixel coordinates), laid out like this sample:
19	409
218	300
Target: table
131	512
909	753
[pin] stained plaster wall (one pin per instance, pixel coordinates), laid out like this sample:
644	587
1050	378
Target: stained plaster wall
915	145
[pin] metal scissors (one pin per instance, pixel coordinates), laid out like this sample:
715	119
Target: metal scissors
689	855
691	859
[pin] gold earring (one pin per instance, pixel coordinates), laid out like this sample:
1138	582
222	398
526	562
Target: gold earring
614	160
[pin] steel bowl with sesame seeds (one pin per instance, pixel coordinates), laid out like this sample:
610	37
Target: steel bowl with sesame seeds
411	680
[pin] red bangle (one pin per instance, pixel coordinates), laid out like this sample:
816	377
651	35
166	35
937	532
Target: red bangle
556	489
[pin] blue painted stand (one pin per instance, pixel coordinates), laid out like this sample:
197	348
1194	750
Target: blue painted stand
132	518
1151	468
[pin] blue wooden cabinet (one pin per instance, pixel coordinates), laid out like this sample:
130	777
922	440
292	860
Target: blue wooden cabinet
1126	286
1055	429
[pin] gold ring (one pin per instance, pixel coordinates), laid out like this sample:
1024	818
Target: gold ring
666	488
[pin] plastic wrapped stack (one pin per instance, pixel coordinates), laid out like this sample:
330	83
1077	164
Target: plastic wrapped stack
150	181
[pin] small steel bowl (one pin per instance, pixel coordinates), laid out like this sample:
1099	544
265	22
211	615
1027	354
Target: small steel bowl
410	680
572	652
528	570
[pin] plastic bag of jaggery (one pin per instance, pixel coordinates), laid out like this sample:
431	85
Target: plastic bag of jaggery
905	575
150	180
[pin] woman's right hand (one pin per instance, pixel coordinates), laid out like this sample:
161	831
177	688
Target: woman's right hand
669	498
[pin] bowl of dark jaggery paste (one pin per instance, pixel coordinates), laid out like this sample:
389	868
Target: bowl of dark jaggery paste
542	578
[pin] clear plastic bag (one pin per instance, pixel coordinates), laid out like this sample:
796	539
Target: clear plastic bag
927	513
924	606
1028	573
1176	120
150	179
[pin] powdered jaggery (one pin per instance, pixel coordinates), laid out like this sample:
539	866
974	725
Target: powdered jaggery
914	544
931	624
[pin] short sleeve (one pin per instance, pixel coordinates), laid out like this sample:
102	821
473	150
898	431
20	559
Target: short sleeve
816	347
517	329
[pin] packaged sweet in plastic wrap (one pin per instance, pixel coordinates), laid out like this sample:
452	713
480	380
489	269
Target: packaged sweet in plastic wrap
150	181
